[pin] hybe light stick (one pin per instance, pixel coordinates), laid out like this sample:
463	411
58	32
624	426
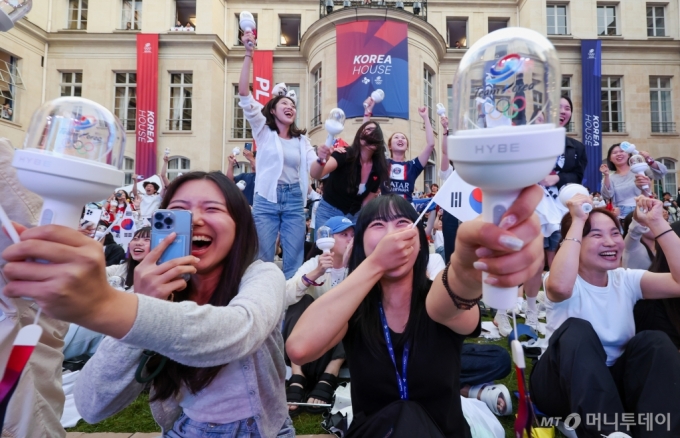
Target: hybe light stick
334	125
441	110
72	155
236	152
324	239
638	165
247	23
503	158
12	11
568	191
377	96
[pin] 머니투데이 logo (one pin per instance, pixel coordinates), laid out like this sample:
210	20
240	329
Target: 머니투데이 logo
505	68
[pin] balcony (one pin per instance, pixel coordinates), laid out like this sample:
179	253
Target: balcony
663	127
419	9
613	127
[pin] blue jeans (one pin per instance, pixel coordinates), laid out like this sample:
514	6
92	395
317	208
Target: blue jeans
326	211
185	427
287	218
625	210
79	341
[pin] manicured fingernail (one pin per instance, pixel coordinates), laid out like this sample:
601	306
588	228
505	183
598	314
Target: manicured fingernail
490	280
483	252
508	221
511	242
480	266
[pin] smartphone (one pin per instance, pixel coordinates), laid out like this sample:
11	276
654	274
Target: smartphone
249	147
164	222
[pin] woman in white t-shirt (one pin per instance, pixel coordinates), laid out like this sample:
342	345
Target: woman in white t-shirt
595	364
314	278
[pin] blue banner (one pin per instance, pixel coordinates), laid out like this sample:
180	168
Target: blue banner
372	55
591	68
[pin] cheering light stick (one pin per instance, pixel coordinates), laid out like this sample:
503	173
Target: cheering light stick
568	191
12	11
72	154
167	152
324	239
629	148
247	23
441	110
334	125
496	146
236	151
377	96
639	166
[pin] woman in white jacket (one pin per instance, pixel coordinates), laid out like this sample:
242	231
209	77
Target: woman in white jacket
314	278
284	158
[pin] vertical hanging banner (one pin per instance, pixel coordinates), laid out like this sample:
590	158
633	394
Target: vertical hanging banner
591	64
263	74
372	55
147	104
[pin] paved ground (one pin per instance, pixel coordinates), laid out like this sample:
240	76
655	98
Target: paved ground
143	435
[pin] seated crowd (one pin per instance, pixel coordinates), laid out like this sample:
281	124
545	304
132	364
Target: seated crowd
211	334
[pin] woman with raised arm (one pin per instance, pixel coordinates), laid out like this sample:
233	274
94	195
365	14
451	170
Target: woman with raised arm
595	364
403	173
354	176
622	186
284	158
402	333
218	362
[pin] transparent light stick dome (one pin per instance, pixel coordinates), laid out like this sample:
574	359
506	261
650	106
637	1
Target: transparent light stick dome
324	232
639	166
637	159
334	125
12	11
77	128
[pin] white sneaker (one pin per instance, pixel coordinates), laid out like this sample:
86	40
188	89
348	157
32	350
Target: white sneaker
532	319
503	322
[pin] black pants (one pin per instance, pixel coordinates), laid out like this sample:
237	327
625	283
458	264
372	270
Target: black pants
483	364
572	377
314	369
449	230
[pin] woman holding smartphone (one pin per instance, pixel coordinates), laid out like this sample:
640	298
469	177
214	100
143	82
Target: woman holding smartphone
284	158
219	345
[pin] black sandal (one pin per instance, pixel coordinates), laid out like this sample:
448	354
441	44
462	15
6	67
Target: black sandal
324	391
296	394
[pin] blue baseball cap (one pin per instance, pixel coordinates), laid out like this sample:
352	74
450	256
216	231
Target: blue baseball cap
338	224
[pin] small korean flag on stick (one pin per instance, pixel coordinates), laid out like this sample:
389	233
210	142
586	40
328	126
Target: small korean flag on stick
459	198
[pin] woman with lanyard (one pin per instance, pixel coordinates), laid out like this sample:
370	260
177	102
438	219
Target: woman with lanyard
354	175
284	157
402	333
622	186
403	173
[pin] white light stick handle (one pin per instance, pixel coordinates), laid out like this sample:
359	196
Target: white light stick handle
494	205
646	186
7	223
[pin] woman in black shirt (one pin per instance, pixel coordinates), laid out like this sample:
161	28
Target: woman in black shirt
402	334
354	176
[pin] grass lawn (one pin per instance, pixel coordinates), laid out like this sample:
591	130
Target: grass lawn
137	416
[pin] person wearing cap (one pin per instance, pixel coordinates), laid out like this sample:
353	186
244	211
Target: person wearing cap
149	200
314	278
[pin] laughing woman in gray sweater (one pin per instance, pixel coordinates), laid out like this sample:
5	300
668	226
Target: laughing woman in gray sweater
218	347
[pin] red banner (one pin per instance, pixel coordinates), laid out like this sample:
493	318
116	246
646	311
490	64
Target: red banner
147	104
263	73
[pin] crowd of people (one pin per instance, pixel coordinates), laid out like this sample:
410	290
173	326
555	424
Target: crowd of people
211	334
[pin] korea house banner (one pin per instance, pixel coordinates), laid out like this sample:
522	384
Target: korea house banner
147	104
372	55
591	64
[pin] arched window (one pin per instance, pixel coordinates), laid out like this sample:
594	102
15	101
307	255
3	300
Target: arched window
177	165
429	173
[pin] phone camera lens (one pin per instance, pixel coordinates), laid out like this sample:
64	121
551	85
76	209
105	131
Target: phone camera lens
168	221
158	225
159	216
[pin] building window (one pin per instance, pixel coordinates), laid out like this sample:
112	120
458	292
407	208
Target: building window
606	21
497	23
428	93
244	167
240	126
661	104
239	32
10	80
430	171
77	14
125	106
178	166
129	169
670	182
656	21
298	108
71	84
557	19
612	105
290	31
316	93
180	101
449	104
185	15
456	32
131	19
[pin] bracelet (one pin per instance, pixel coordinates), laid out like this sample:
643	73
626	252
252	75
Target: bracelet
368	114
667	231
569	238
321	162
459	302
310	282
